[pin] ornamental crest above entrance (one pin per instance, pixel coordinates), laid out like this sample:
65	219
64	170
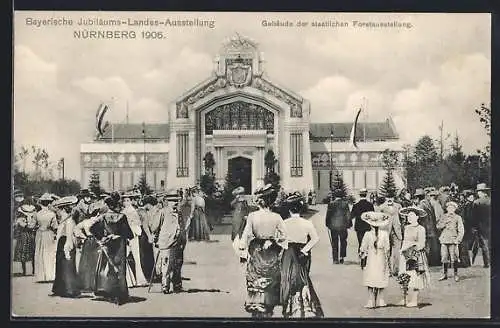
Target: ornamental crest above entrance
238	66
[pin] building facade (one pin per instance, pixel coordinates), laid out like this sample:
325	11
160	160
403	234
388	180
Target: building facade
238	114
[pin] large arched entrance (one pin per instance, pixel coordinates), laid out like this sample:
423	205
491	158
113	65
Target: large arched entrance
240	169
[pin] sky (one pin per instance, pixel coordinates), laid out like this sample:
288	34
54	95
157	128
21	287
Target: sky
437	68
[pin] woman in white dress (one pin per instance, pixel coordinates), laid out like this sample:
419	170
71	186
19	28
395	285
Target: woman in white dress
263	239
375	250
45	243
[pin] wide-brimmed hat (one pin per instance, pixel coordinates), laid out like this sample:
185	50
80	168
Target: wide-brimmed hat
265	191
96	208
104	195
451	203
363	191
468	192
294	198
482	187
376	219
46	197
27	209
418	211
65	201
238	191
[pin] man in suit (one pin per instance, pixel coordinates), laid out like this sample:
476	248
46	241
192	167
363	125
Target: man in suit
482	221
394	229
338	220
362	206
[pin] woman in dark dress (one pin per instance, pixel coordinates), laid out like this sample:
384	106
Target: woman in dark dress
89	249
298	297
24	232
240	212
66	281
112	231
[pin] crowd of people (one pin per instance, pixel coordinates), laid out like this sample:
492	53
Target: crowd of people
105	244
400	234
84	243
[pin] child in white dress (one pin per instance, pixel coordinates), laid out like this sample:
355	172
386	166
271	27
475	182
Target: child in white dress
375	249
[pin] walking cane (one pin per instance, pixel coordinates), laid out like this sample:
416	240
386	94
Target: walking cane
475	248
154	271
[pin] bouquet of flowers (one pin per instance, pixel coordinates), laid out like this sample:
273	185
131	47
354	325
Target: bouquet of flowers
404	280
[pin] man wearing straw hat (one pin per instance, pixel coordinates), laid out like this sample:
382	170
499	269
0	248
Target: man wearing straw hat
482	221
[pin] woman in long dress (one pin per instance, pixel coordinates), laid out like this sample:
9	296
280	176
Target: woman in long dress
198	225
375	250
112	232
413	257
25	230
240	211
66	282
45	249
263	239
89	249
298	297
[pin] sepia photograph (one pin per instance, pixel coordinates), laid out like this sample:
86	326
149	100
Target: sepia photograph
251	165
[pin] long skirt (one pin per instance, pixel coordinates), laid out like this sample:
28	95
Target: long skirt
45	256
198	229
146	255
263	276
66	283
25	246
88	264
420	276
464	257
111	281
298	297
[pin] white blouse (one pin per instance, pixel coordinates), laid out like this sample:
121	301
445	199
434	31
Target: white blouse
299	229
264	224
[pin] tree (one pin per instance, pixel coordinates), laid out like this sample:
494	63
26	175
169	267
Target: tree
485	118
143	186
390	160
453	166
410	168
426	163
95	183
23	156
207	184
388	187
270	161
40	160
209	163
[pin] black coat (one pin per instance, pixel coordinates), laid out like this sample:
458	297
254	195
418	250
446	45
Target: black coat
357	209
482	216
338	216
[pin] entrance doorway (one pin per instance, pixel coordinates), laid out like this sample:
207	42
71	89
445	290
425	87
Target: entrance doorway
241	171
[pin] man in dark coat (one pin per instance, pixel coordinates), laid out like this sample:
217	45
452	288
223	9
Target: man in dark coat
338	220
432	245
362	206
482	221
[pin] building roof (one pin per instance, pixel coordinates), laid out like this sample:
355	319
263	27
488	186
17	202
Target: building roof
134	131
372	130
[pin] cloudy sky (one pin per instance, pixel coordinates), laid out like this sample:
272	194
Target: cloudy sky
439	69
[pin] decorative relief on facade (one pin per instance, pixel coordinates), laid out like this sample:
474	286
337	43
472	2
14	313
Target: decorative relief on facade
248	152
124	160
231	153
295	104
322	160
239	74
239	115
182	107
